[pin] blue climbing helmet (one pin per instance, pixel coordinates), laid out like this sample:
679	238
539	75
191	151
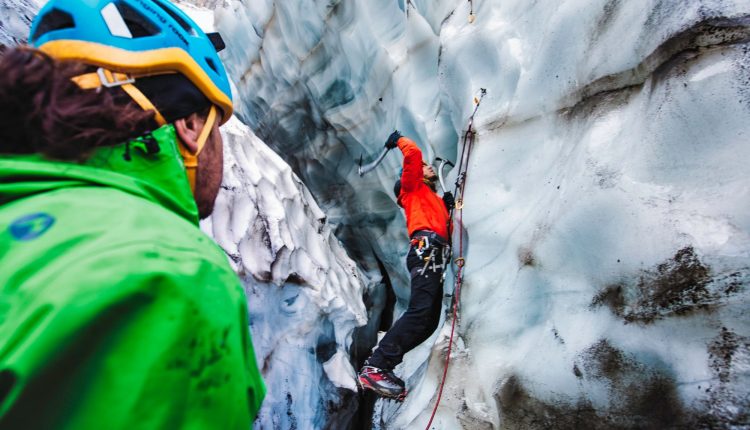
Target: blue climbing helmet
129	39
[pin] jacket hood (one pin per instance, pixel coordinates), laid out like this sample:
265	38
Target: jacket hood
150	167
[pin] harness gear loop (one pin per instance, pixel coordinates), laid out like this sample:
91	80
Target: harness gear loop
433	246
191	159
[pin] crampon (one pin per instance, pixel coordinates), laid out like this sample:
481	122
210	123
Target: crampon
382	382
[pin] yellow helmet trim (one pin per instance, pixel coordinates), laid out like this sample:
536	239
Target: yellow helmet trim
146	63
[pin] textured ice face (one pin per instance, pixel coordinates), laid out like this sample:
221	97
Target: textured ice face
304	292
606	207
15	20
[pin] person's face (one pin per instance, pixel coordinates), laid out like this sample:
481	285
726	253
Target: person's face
428	172
210	161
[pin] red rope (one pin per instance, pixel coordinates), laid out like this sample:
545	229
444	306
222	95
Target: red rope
463	168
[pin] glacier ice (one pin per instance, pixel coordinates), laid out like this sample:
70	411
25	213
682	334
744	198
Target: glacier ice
606	207
15	19
304	292
607	199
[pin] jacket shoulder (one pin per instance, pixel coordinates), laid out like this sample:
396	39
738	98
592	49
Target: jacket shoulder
83	229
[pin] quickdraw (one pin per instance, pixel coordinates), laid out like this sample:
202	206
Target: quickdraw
423	245
427	260
463	167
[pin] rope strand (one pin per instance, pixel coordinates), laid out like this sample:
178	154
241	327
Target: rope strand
463	167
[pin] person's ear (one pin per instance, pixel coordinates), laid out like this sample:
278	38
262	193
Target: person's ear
188	129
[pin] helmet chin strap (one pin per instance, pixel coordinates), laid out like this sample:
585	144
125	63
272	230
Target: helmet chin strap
191	159
106	78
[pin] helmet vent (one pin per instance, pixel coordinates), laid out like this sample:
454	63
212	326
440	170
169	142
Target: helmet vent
211	64
184	24
53	20
139	25
114	21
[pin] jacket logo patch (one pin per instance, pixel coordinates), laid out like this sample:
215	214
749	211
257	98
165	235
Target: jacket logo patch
31	226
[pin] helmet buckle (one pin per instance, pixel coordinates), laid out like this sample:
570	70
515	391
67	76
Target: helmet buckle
117	79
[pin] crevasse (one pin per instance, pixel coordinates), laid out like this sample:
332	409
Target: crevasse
606	206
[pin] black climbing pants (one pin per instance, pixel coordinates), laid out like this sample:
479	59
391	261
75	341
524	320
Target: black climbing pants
421	317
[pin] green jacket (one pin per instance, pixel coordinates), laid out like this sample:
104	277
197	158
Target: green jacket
116	311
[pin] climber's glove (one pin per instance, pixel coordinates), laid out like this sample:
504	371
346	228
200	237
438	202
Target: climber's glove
449	201
392	140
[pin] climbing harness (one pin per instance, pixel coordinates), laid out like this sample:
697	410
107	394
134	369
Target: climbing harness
463	167
427	260
430	244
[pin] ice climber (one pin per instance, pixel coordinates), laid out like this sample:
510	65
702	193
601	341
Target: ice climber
116	311
427	224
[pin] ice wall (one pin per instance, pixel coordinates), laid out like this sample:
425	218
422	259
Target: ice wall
304	292
607	201
15	20
606	206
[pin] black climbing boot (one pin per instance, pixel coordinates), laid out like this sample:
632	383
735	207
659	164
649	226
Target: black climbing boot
382	382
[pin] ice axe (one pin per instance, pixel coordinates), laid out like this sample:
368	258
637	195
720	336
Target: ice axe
372	165
443	162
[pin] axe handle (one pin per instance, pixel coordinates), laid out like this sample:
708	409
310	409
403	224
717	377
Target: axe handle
371	166
443	162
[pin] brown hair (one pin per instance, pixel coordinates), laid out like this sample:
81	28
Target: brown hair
43	111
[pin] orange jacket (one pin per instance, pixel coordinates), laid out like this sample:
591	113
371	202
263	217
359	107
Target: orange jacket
424	209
